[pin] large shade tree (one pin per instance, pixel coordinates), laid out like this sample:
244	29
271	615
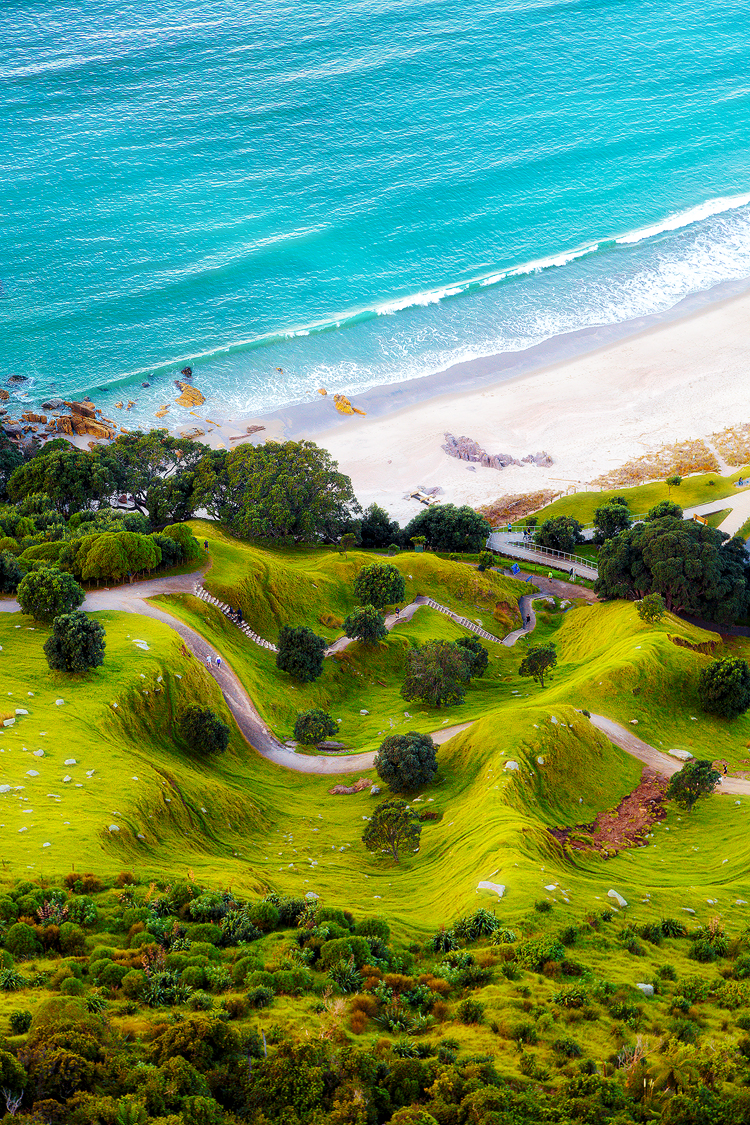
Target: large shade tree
724	687
76	643
301	653
379	585
393	827
289	491
406	761
436	673
696	569
48	592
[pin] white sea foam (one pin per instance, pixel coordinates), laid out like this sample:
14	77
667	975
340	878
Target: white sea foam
686	218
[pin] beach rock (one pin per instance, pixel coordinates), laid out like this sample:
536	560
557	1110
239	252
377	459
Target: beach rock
87	409
4	396
646	989
13	429
14	380
64	424
52	404
617	898
190	396
466	449
145	384
187	372
542	459
37	418
344	406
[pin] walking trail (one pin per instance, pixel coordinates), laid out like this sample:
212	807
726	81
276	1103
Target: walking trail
133	599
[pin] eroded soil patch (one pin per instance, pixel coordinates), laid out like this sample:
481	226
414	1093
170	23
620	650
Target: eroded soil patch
627	826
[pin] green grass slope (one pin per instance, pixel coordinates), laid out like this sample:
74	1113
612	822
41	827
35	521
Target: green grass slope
275	586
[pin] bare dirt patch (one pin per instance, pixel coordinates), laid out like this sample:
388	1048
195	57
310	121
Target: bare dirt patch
681	459
626	826
508	509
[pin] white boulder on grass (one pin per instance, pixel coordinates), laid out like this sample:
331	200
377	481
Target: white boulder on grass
683	755
646	989
621	902
496	888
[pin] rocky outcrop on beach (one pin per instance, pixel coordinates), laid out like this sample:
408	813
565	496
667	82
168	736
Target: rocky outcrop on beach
466	449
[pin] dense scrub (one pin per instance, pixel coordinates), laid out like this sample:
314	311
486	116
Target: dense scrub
178	1003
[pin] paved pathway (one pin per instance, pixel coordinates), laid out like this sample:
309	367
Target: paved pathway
509	543
657	759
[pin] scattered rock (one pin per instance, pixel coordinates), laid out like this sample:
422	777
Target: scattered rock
21	711
311	896
70	762
498	888
67	777
634	722
8	722
14	380
114	828
511	765
540	761
363	712
32	773
646	989
187	372
621	902
52	404
688	910
375	791
542	459
38	753
683	755
59	702
740	902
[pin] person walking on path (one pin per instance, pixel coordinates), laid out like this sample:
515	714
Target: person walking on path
208	660
218	663
205	544
528	618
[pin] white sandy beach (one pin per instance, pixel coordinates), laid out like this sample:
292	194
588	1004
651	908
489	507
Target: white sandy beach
681	380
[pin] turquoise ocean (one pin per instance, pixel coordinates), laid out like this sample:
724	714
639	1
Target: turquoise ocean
358	193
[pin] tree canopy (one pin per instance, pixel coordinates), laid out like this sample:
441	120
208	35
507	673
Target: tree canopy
379	585
724	687
366	624
538	661
300	653
287	491
376	529
560	533
695	568
76	643
405	762
611	518
651	608
436	673
70	478
48	592
695	779
158	471
476	654
393	826
448	528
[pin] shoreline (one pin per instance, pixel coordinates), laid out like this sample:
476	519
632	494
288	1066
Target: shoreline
593	400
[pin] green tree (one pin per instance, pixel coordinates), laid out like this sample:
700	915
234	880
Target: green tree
486	560
10	573
476	653
673	482
436	673
181	533
10	460
651	608
376	529
312	727
724	687
664	508
300	653
561	533
347	542
76	643
379	585
204	731
48	592
366	624
393	826
71	479
158	471
611	518
289	491
695	779
448	528
695	568
538	661
406	762
105	557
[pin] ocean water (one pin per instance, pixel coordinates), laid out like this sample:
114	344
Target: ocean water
357	193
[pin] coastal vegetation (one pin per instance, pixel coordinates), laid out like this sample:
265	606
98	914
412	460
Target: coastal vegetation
526	927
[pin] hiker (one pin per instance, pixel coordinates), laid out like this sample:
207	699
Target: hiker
239	616
218	663
205	544
528	618
725	769
208	660
398	610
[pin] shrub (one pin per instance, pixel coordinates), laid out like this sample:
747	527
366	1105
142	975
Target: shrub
670	927
524	1032
264	915
346	975
651	608
76	643
470	1011
543	906
534	953
567	1047
133	984
204	731
207	932
20	1021
71	986
21	941
201	1002
366	624
373	927
72	938
312	727
482	923
260	997
666	972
